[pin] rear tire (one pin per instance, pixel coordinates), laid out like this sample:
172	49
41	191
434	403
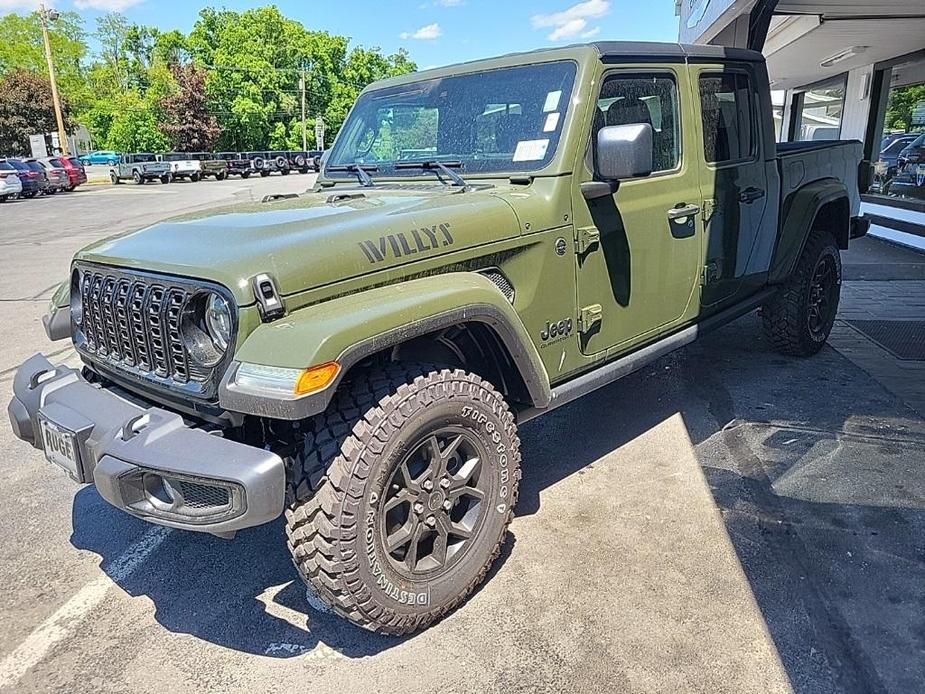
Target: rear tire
264	173
246	175
799	319
409	457
137	178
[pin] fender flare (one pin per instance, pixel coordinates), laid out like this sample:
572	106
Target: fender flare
798	219
350	328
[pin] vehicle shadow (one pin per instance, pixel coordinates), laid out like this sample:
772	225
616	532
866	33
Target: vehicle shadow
243	594
808	462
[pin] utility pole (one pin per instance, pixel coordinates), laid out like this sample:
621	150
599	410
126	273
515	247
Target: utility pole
302	87
50	16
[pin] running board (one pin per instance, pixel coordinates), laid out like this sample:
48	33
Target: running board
624	366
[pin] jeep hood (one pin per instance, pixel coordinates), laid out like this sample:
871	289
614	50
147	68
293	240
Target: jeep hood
314	239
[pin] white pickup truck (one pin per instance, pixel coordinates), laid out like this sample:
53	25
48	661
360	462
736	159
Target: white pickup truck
182	166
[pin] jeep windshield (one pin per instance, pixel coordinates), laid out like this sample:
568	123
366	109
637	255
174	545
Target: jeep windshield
504	120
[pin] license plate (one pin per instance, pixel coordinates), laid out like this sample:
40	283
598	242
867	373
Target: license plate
61	448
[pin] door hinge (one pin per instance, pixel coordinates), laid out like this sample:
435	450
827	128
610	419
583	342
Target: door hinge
589	317
710	273
708	207
586	238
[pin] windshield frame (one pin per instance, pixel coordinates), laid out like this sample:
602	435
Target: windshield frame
385	170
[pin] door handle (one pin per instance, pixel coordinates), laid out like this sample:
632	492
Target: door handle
683	211
750	195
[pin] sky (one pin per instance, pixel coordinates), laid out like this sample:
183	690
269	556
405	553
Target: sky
434	32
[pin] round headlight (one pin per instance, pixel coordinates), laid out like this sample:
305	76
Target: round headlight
218	321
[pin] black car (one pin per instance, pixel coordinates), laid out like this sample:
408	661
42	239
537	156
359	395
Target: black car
238	164
912	154
886	167
33	178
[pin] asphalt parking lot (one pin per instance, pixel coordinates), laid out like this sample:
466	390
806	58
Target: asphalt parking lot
726	519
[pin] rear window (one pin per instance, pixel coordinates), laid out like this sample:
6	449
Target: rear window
726	105
56	162
35	166
18	165
74	160
5	167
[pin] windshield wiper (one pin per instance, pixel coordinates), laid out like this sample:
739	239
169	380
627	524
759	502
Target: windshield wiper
360	170
436	165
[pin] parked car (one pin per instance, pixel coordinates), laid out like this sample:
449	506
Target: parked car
182	165
10	185
107	157
262	162
58	180
316	155
912	154
33	179
212	165
909	182
140	167
75	171
356	361
887	165
298	160
237	163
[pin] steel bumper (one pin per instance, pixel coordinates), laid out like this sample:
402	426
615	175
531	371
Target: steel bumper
147	461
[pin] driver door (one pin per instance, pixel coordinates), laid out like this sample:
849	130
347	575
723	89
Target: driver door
638	249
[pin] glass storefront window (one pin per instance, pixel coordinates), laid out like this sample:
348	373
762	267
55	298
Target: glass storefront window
819	112
899	170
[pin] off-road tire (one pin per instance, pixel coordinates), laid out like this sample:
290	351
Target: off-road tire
138	178
786	318
345	468
115	179
246	175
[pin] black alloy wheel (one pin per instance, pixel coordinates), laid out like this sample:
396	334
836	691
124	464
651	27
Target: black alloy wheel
433	505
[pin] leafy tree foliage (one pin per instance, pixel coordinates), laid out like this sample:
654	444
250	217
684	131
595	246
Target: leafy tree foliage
187	122
232	83
903	102
25	109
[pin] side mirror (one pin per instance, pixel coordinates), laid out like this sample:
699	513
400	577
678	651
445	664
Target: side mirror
624	151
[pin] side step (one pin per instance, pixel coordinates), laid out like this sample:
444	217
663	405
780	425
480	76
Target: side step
625	365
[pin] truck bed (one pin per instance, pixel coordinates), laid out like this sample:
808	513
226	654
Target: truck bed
800	163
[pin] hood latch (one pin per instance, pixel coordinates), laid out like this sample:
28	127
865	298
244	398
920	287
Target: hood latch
268	299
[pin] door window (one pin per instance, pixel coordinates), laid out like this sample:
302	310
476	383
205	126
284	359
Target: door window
641	98
727	110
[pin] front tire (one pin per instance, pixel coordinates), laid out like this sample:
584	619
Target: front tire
799	319
402	496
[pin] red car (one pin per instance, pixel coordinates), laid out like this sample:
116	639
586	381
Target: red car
75	170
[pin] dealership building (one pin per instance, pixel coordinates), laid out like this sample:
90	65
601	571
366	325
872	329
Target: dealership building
840	69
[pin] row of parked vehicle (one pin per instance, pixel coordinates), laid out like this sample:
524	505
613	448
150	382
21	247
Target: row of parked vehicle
142	167
28	178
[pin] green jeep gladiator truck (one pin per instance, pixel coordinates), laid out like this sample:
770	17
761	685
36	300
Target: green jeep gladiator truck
486	242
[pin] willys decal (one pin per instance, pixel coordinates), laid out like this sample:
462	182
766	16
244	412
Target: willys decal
407	243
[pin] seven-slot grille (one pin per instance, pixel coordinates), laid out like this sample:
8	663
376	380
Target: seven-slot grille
134	322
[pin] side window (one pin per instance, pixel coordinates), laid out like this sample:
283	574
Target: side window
727	110
643	98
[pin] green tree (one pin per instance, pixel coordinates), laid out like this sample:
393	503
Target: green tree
902	103
21	48
134	127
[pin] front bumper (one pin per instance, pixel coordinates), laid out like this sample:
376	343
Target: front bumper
147	461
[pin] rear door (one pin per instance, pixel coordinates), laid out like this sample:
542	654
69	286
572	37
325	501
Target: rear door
733	183
638	258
